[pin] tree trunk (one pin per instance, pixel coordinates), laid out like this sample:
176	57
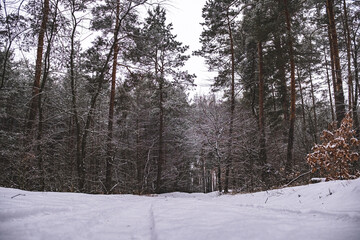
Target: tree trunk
6	58
100	81
262	150
339	93
219	178
79	163
34	103
357	88
348	51
289	157
204	180
283	86
139	161
302	103
160	161
161	140
332	63
353	95
356	68
273	95
7	54
109	152
306	142
232	109
39	148
329	86
313	94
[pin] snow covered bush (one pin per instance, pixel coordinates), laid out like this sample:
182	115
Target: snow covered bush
335	156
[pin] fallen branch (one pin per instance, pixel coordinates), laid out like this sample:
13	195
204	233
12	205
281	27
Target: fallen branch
18	195
286	185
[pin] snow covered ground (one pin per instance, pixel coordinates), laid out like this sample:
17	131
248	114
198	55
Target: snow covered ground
328	211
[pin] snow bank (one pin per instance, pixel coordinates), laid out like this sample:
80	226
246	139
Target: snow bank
329	210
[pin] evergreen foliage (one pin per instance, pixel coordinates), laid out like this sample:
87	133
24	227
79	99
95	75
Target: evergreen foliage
110	112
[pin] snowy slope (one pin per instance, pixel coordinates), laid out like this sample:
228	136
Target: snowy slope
320	211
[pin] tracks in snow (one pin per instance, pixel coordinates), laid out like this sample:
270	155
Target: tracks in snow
152	223
355	216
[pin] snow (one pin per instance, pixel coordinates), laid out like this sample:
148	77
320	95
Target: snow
326	210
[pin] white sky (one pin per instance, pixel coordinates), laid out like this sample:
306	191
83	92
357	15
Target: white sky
185	15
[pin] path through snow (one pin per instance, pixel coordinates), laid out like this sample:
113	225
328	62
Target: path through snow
319	211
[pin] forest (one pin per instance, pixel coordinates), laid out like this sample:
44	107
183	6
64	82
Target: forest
94	95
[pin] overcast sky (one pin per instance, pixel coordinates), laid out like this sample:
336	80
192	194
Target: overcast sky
185	15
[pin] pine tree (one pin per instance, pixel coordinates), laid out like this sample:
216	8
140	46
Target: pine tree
218	47
289	156
36	86
97	63
14	26
339	93
161	56
110	154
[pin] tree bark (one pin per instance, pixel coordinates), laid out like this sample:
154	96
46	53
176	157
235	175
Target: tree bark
34	103
110	153
161	139
232	109
219	178
348	53
160	79
339	93
262	150
39	153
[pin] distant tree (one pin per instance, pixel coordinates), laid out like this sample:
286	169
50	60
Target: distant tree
114	116
352	94
14	26
73	71
14	171
158	52
218	48
98	72
211	120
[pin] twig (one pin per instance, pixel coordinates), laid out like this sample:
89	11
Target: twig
286	185
114	187
18	195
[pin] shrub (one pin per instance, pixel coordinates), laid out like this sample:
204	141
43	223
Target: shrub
336	155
